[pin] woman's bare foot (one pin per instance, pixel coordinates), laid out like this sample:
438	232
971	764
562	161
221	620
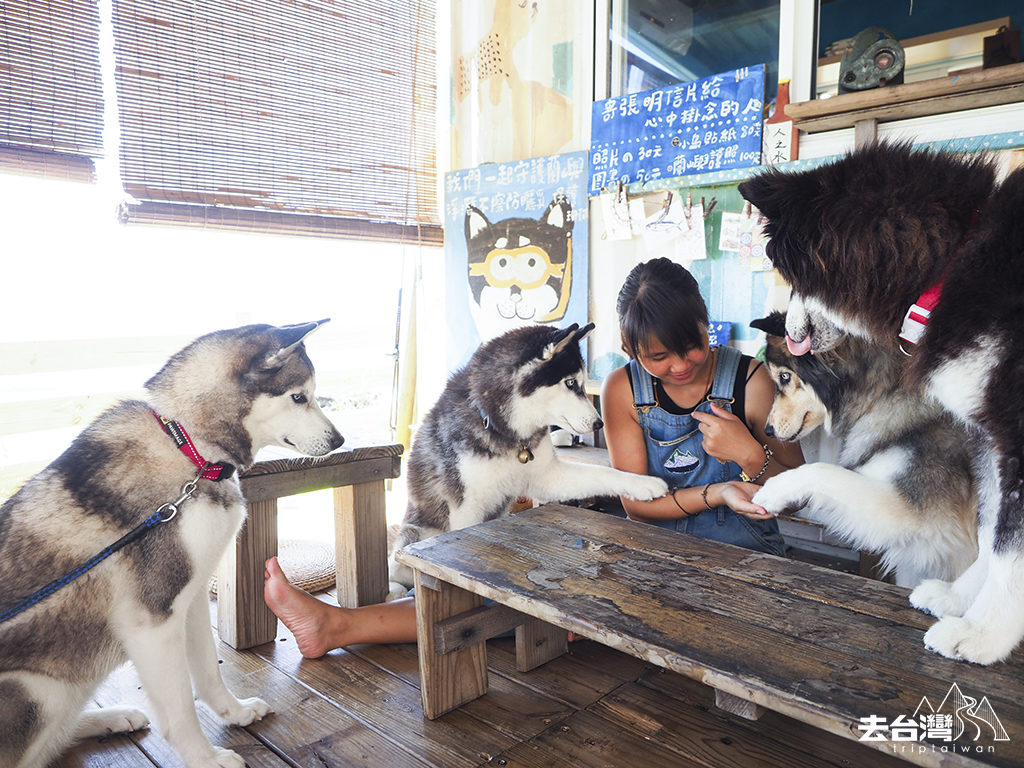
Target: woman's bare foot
306	617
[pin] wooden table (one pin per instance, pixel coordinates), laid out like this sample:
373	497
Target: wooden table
357	473
831	649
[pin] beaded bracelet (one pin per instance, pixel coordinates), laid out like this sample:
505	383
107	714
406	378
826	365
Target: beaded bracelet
755	478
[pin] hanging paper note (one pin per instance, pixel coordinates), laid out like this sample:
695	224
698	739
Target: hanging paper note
615	213
637	216
666	224
753	241
690	246
729	237
703	125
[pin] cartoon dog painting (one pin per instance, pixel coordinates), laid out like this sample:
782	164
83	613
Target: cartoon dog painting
520	269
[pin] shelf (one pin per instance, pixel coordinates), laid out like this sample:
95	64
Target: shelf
958	91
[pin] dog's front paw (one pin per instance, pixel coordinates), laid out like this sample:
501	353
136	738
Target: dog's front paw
109	720
957	638
246	711
782	493
225	758
645	488
938	598
396	591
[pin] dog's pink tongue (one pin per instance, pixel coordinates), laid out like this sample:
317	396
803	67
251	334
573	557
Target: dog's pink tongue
798	347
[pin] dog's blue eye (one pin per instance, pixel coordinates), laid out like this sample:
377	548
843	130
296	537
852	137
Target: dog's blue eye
299	398
571	384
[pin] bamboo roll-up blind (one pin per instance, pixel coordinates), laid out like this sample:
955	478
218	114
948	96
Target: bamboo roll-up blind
276	115
51	93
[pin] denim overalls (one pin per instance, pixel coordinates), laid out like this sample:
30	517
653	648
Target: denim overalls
675	452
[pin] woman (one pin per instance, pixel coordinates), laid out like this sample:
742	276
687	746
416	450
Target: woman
691	414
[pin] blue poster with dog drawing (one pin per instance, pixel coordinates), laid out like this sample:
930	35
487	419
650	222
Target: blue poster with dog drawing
703	125
516	242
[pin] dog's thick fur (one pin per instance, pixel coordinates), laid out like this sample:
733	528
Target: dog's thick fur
902	484
464	468
234	392
859	240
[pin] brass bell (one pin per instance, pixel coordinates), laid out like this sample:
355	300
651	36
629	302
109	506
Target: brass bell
525	455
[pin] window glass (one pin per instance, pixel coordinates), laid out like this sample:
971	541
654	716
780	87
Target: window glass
655	43
938	37
93	308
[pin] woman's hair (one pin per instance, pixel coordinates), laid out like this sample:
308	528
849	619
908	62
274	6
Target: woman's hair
661	300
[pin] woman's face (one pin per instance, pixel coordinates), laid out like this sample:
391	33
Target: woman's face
671	367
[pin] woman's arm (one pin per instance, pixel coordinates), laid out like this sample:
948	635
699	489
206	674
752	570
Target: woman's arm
627	451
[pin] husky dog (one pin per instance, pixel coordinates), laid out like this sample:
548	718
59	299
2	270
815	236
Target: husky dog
223	397
902	484
889	228
487	440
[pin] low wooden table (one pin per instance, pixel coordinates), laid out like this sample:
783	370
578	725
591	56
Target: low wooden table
357	473
831	649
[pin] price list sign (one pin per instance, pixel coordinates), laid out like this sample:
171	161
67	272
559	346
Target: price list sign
704	125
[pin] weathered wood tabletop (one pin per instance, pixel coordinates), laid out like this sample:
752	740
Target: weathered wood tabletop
837	651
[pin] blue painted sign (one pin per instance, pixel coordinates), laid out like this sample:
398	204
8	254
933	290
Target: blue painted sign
704	125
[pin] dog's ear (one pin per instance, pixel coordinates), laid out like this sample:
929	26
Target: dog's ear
476	222
559	214
767	191
773	325
564	338
583	332
288	338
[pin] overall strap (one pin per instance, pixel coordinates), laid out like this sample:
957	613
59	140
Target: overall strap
723	386
643	386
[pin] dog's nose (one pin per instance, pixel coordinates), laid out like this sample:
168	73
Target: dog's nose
769	430
598	424
337	440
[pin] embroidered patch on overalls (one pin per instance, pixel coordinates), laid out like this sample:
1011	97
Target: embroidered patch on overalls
681	461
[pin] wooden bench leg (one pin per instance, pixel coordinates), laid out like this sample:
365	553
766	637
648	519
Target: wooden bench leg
360	544
737	706
243	618
538	642
447	680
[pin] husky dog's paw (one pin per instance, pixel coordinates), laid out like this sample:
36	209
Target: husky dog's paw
957	638
109	720
246	711
938	598
783	493
396	591
645	488
225	758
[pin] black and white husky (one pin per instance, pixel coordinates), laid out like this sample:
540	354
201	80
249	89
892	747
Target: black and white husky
487	440
874	243
223	397
902	483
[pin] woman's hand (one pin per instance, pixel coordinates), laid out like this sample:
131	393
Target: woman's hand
737	496
725	437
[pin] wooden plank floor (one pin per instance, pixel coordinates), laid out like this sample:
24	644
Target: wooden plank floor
361	707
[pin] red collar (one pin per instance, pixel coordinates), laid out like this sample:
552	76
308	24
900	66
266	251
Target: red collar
916	320
213	472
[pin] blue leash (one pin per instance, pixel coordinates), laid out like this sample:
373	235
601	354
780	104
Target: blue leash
165	513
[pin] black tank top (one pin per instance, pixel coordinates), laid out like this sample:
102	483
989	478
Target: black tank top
739	391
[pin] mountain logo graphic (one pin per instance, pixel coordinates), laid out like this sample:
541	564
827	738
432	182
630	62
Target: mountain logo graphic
972	717
681	461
